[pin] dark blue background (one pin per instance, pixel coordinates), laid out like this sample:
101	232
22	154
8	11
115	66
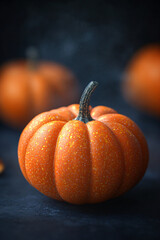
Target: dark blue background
95	39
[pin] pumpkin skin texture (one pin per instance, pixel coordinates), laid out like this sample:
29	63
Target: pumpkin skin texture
68	156
26	90
141	85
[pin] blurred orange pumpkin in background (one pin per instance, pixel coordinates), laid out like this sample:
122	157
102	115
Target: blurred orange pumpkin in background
28	87
141	85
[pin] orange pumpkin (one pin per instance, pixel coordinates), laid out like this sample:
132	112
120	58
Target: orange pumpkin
27	89
2	167
81	154
141	85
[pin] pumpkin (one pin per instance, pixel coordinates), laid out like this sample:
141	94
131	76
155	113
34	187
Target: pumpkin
141	84
80	154
2	167
28	88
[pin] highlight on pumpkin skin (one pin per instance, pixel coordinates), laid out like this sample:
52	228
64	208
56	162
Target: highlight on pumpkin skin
81	154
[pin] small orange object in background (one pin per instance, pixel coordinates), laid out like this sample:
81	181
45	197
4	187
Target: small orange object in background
30	87
141	85
82	155
2	167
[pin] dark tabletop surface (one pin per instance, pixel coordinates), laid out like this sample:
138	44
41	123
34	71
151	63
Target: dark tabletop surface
95	39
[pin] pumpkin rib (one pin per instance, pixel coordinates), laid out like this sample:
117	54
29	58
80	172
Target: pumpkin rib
26	153
53	169
103	185
144	152
27	147
140	138
72	163
62	111
100	110
143	160
72	112
122	152
75	109
54	165
24	160
144	167
143	147
41	123
128	133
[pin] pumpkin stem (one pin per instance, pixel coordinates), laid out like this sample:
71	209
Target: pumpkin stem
84	113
